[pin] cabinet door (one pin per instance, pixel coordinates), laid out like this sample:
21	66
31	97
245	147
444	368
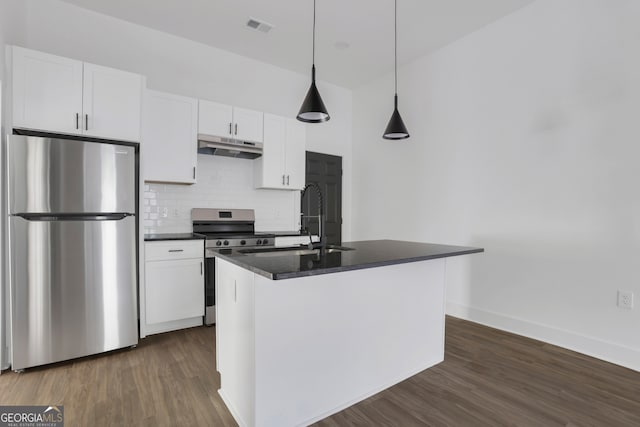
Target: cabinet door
270	167
215	119
295	155
112	103
247	125
174	290
47	92
235	326
169	137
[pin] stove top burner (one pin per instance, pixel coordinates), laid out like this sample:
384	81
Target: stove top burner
229	228
230	236
226	240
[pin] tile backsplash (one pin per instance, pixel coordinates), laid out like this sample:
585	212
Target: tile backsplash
222	182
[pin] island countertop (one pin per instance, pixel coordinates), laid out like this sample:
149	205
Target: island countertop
364	254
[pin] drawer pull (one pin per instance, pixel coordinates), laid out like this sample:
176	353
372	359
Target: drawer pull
176	250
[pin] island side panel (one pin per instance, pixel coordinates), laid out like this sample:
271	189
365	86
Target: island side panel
328	341
235	355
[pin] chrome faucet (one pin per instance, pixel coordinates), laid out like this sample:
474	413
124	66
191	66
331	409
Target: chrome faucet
320	215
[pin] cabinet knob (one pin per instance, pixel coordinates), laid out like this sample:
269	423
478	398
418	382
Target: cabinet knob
230	125
236	128
86	122
287	179
77	120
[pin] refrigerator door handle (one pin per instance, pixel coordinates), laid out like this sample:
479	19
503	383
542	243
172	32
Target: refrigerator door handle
74	217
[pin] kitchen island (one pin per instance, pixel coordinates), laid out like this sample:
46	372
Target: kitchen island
304	334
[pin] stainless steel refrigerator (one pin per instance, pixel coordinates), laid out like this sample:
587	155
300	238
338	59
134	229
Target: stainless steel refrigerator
72	239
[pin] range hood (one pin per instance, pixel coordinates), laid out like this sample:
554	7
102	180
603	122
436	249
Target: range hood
219	146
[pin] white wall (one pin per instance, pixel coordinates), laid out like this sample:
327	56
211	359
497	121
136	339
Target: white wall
184	67
12	25
525	141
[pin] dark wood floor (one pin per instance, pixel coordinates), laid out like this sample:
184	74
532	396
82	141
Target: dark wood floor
489	378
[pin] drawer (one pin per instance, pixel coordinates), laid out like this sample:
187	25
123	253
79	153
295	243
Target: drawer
173	249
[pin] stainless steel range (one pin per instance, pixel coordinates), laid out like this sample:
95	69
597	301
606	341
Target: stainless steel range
224	229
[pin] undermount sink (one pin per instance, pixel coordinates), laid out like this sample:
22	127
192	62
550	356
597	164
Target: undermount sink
295	251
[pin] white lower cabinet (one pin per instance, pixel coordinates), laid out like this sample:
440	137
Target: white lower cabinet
173	285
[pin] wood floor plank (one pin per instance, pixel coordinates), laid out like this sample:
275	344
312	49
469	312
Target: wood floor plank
489	378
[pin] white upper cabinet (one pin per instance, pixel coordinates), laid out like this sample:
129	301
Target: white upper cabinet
169	137
230	122
47	92
111	103
271	166
295	154
247	125
215	119
282	165
62	95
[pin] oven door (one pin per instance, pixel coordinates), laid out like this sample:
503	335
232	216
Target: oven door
209	289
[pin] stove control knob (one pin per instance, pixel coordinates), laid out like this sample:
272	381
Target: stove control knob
265	241
243	242
258	242
226	243
218	243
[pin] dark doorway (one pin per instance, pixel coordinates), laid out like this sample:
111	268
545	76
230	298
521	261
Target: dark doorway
325	171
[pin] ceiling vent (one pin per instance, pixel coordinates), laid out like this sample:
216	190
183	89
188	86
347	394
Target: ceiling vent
256	24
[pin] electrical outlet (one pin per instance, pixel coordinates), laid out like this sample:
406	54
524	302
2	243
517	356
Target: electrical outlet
625	299
165	212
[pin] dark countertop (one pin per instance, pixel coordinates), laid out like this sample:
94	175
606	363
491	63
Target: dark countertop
172	236
366	254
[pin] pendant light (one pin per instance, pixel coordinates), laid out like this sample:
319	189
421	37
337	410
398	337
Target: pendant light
396	128
313	109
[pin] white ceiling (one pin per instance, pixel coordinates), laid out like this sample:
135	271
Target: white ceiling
366	25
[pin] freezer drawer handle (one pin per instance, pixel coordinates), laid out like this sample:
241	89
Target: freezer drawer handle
176	250
74	217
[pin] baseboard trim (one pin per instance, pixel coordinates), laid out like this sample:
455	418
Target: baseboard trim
234	413
590	346
159	328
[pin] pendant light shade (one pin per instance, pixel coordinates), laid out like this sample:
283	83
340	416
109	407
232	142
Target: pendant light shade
313	109
396	128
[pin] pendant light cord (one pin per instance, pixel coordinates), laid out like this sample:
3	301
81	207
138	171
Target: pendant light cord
313	59
395	48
